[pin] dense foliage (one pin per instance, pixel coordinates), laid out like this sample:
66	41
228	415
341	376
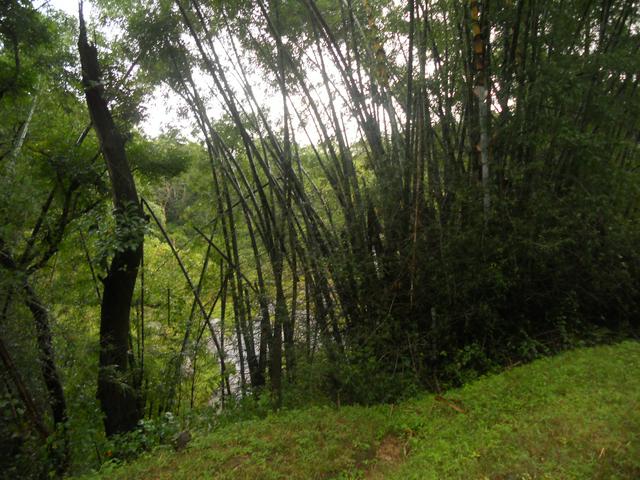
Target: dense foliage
376	198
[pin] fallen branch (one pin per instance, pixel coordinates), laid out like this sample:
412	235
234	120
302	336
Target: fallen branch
450	404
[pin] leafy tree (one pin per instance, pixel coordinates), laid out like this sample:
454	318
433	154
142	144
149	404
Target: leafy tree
118	387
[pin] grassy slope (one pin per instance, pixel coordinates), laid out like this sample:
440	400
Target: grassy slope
574	416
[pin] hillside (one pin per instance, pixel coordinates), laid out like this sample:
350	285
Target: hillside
573	416
238	220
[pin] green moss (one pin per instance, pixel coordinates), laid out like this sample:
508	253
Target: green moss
573	416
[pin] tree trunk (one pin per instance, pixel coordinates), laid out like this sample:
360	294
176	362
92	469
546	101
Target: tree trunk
50	372
31	408
481	91
116	388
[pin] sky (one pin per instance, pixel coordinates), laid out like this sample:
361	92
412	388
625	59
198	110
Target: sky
161	107
69	6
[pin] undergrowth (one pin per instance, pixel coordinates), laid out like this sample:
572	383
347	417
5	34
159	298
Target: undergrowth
573	416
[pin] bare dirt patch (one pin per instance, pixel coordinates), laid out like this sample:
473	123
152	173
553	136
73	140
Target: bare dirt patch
235	462
390	452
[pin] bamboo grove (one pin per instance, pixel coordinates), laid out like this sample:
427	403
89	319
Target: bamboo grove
435	131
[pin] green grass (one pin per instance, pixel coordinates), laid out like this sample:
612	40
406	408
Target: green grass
573	416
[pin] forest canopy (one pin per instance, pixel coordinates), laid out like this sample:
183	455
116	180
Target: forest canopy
370	199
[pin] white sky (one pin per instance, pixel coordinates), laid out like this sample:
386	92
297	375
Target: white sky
69	6
163	107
